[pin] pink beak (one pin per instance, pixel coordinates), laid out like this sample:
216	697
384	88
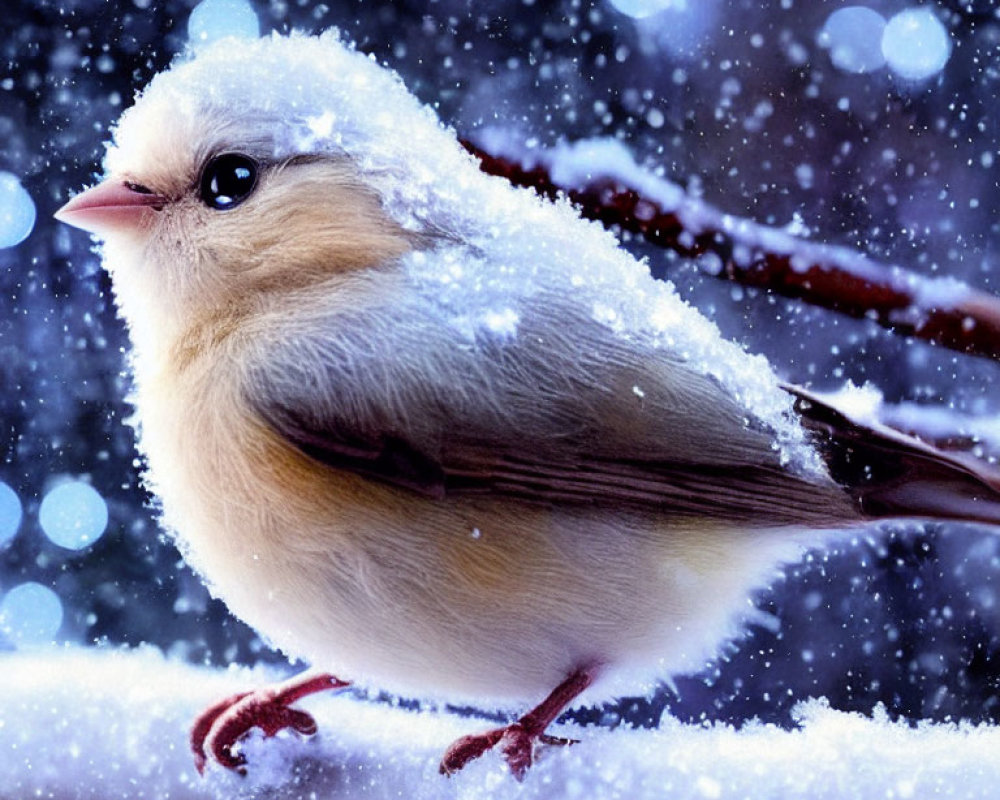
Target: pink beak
110	206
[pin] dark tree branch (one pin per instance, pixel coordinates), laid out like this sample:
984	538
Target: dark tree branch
941	311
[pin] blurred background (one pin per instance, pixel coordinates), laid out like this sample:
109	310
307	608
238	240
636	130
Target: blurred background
871	126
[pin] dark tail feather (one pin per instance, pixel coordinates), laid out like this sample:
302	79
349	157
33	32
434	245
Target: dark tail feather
890	474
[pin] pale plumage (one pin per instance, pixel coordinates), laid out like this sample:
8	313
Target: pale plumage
417	427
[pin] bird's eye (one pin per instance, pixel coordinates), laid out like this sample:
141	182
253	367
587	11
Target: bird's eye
228	180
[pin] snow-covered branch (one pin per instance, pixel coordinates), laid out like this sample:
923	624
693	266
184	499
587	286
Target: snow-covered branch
603	180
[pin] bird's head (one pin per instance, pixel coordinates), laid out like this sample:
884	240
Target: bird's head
233	178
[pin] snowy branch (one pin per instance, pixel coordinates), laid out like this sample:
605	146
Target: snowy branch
602	179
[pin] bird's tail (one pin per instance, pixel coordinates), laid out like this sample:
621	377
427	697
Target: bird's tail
893	475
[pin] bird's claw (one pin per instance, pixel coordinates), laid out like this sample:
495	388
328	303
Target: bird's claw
468	748
516	742
220	727
217	730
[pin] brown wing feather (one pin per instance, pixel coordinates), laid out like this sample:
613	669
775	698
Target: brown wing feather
753	495
881	473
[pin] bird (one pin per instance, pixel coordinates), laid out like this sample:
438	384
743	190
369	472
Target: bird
433	434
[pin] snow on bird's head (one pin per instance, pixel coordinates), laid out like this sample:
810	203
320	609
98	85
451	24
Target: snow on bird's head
282	96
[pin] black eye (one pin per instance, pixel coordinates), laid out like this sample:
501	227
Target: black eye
228	180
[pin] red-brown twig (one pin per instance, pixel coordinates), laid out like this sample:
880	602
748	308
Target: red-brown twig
944	312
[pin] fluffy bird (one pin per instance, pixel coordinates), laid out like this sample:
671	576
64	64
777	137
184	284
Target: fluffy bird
434	434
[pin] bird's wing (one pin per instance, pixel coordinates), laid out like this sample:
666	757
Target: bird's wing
570	415
544	417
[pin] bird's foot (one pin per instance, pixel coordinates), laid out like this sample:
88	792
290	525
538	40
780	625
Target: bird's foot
516	742
218	728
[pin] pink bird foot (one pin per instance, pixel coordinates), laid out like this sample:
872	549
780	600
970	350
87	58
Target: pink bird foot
218	728
517	740
516	744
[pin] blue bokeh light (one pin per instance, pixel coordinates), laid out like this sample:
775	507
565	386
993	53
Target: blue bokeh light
30	614
916	44
853	35
17	211
10	513
217	19
73	515
640	9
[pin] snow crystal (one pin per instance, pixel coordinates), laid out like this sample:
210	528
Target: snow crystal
710	263
915	44
502	323
859	403
114	724
805	174
853	35
10	513
73	515
655	118
218	19
17	211
797	226
30	614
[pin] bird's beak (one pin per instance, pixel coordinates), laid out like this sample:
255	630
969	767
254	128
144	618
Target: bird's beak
110	206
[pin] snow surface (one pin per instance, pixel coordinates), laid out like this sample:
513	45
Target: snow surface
109	724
